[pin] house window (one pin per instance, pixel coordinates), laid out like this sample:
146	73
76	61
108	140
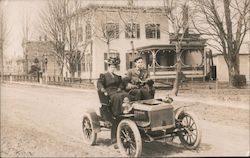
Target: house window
112	30
106	56
88	31
152	31
132	30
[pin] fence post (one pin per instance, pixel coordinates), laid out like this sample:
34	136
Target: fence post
40	79
10	78
46	79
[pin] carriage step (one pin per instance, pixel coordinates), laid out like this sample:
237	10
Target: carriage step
105	124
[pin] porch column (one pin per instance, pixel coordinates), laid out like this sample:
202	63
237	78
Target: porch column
154	60
205	64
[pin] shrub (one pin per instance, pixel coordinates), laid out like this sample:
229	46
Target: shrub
239	81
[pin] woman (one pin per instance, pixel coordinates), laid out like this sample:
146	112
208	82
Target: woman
111	85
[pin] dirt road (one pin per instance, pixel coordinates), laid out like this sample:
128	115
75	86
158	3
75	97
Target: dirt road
46	122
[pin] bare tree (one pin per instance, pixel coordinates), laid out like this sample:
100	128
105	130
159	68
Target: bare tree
60	22
4	31
177	14
226	22
72	24
52	25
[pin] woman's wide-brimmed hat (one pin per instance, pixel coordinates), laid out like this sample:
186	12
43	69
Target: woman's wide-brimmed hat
113	61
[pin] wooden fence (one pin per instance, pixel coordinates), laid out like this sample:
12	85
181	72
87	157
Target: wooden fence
50	80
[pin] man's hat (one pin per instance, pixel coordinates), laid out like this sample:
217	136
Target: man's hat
112	61
137	58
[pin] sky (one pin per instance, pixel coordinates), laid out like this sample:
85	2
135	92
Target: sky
16	11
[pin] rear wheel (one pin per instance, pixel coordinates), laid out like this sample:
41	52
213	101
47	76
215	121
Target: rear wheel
129	138
89	136
190	135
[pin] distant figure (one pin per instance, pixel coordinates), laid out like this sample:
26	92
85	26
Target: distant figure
183	79
138	81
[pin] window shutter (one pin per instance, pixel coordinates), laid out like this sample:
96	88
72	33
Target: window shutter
158	31
138	30
105	64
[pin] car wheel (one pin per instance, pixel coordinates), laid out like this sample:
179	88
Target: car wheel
190	133
129	139
89	136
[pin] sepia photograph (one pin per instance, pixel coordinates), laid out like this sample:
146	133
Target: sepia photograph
125	78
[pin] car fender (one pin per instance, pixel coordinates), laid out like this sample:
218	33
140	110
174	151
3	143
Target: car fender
178	111
91	114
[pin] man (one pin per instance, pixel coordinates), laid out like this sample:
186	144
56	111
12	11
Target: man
138	81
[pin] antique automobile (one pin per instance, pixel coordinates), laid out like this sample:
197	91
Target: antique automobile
145	120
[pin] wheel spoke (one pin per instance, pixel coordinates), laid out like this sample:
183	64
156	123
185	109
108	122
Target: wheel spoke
122	137
194	138
185	137
134	149
127	151
188	139
194	133
186	120
193	123
125	134
189	120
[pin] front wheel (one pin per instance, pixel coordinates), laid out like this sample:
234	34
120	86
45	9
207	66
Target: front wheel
190	134
129	138
89	136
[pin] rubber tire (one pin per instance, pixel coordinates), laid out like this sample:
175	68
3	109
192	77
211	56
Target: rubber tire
92	139
199	133
137	137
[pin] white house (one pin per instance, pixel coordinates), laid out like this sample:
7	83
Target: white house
127	31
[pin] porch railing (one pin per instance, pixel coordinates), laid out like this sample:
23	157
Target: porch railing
170	71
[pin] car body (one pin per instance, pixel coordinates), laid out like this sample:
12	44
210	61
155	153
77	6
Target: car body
148	120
